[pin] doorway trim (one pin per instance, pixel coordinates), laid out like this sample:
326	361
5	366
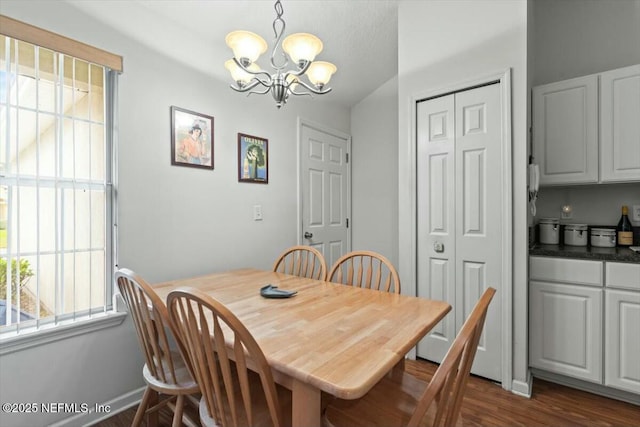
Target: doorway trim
503	78
339	134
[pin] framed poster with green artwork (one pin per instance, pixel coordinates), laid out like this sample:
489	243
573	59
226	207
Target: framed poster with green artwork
253	159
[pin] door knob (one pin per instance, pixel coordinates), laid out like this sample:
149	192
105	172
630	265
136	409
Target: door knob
308	235
438	247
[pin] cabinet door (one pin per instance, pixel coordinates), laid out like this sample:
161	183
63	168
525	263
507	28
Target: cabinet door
565	131
565	329
620	125
622	349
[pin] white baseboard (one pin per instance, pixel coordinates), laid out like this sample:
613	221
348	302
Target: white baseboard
523	388
590	387
112	407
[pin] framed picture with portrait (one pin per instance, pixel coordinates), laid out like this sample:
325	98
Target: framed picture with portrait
253	159
191	139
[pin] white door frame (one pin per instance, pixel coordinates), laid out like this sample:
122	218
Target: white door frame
326	129
504	80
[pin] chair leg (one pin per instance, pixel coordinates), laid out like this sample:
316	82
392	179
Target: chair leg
153	416
177	416
142	407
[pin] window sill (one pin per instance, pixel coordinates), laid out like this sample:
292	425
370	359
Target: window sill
13	342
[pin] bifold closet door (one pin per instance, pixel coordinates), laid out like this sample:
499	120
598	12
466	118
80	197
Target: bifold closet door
459	216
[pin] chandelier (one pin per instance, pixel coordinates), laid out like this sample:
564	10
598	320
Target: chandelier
300	48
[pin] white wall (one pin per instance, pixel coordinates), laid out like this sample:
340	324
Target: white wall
578	38
444	44
374	168
591	204
173	221
180	221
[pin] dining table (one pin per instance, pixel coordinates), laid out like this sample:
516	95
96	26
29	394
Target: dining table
328	337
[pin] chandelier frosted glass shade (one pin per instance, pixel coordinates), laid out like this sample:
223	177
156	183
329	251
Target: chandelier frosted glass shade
320	72
300	49
240	76
246	46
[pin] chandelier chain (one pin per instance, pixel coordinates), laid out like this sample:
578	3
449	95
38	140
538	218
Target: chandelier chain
278	29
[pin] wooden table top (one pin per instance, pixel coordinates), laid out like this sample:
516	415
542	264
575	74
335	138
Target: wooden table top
337	338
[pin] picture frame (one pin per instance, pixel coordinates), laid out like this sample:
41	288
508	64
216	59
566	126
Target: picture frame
192	140
253	159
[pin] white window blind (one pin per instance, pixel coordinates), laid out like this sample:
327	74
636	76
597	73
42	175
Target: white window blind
56	195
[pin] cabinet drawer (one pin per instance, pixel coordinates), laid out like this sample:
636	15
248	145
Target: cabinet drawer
561	270
622	275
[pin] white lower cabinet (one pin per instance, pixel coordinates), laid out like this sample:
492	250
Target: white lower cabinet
584	320
565	325
622	326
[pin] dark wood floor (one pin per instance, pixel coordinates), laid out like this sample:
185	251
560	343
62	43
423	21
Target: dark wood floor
487	404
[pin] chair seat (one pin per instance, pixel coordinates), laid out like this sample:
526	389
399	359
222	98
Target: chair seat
185	383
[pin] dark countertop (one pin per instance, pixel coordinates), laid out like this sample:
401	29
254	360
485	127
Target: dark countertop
586	252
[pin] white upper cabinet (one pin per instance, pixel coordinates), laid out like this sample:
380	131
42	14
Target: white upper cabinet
587	130
565	131
620	125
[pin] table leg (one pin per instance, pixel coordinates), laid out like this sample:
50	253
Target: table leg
306	405
398	370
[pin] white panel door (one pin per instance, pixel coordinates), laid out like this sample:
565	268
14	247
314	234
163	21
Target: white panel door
620	125
479	217
459	216
436	220
325	197
622	340
565	131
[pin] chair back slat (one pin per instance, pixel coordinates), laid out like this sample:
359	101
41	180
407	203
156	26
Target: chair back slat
150	318
446	388
365	269
221	351
303	261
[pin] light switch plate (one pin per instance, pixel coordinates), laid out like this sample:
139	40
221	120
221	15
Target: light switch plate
257	212
635	214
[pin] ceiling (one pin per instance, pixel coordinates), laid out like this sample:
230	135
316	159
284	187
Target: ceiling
359	36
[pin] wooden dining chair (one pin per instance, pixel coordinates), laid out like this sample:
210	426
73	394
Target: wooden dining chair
235	378
365	269
405	400
164	371
303	261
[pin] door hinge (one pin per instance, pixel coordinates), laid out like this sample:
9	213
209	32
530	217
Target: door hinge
347	222
347	154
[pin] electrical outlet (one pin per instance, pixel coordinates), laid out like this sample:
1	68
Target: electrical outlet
257	212
635	213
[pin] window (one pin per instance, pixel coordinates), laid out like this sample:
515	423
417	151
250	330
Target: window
56	195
